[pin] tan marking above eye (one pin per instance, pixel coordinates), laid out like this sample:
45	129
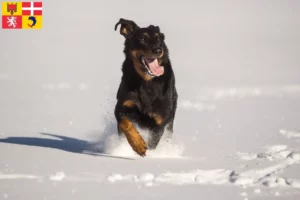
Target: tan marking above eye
146	34
156	36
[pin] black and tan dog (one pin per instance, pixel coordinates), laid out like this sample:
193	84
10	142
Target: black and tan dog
147	95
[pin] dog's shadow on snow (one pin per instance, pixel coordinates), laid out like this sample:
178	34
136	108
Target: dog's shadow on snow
69	144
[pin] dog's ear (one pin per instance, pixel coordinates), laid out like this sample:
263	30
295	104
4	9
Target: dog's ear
156	28
162	36
128	27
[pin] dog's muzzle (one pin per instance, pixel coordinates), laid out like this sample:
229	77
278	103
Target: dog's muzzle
151	65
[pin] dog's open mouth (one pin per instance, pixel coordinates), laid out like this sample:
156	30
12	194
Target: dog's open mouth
151	65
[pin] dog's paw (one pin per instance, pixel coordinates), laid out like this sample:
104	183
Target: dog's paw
138	144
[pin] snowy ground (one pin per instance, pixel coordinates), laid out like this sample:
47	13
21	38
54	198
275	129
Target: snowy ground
237	131
241	142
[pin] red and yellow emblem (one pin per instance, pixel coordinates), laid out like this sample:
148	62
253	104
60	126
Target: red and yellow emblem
22	15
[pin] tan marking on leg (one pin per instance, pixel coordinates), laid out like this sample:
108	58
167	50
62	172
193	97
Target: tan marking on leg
158	118
133	137
129	103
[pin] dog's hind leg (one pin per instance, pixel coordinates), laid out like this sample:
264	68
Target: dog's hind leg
155	137
169	127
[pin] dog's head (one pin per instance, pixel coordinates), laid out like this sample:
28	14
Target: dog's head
145	46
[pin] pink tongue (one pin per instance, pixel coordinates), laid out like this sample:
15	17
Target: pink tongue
155	68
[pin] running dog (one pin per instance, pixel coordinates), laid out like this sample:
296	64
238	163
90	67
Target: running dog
147	94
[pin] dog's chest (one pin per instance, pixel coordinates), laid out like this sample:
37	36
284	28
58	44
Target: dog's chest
149	95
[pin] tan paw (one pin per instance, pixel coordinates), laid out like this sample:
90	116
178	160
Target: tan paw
138	144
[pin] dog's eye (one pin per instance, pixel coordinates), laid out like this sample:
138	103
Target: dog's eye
143	39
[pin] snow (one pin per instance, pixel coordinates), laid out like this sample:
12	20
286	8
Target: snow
290	134
17	176
57	176
236	132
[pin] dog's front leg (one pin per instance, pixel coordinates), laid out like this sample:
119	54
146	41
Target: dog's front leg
133	137
124	112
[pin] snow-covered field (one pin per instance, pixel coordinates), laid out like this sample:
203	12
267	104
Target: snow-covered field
237	128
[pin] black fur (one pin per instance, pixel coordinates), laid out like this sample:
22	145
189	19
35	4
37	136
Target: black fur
157	95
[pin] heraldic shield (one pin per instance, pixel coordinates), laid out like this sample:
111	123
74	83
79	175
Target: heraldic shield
22	15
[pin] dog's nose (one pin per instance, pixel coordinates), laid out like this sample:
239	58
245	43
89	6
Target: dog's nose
157	51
